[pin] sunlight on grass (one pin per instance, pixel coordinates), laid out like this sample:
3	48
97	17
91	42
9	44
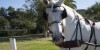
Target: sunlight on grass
4	46
37	44
43	45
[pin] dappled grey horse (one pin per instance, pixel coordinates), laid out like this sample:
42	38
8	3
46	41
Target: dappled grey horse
70	30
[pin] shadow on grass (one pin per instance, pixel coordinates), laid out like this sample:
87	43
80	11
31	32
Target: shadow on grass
22	38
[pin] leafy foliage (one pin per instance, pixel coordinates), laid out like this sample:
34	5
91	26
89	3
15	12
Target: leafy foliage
16	19
30	17
94	11
3	22
2	11
70	3
37	7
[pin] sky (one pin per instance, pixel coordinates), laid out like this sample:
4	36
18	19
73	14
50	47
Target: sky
81	4
84	4
14	3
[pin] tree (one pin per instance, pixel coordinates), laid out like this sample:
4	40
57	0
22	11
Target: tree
25	24
11	11
70	3
36	8
2	11
3	22
94	11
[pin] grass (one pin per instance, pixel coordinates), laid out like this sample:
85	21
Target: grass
43	44
34	44
4	46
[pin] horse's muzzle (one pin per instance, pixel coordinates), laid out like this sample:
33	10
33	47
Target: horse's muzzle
61	41
58	40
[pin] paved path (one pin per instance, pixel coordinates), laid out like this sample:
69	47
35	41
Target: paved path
91	47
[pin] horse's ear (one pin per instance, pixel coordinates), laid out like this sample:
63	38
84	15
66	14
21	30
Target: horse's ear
60	2
45	15
64	14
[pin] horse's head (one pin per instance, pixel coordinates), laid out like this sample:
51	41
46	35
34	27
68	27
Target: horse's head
54	13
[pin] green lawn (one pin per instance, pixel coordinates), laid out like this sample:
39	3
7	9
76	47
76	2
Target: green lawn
35	44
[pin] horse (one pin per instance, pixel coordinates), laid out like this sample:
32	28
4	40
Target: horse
63	21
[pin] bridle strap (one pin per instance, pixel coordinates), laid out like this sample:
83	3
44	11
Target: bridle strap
77	29
91	36
55	6
53	23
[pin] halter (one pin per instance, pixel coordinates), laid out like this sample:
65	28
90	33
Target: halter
55	6
53	22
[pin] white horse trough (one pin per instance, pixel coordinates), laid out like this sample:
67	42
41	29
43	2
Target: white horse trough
70	30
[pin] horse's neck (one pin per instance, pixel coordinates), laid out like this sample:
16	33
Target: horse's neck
70	22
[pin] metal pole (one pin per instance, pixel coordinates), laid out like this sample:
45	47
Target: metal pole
13	44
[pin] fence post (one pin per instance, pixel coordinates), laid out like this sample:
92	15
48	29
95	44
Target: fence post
13	44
